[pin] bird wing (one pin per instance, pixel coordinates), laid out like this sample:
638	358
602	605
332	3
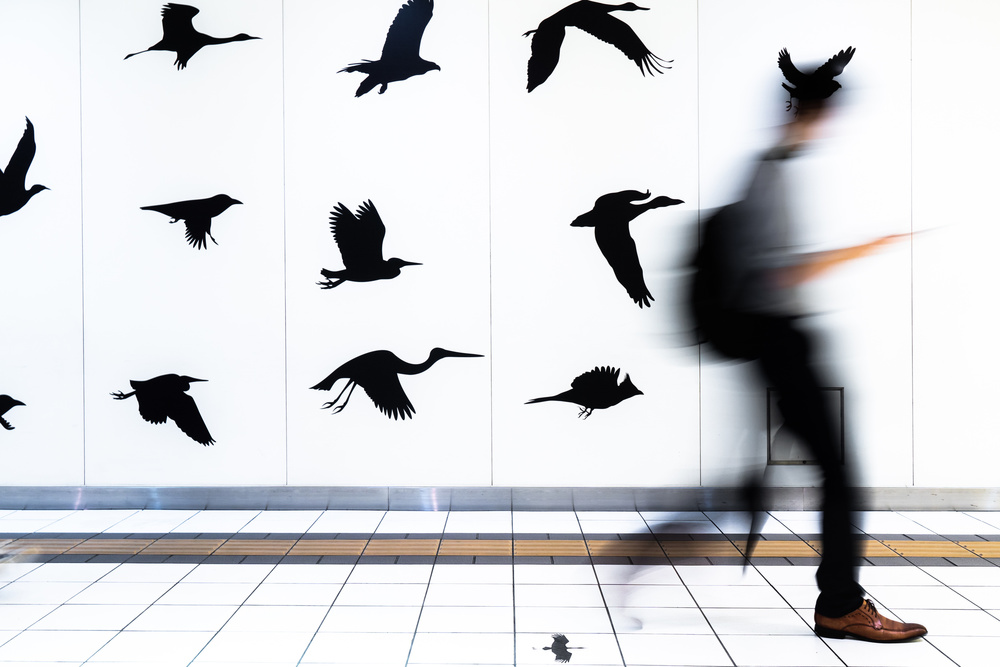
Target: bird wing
17	168
601	379
177	20
790	72
402	42
617	33
196	229
545	45
619	249
836	64
182	409
359	237
388	396
151	406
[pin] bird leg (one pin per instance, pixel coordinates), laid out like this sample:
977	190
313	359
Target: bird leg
118	396
333	404
329	284
585	412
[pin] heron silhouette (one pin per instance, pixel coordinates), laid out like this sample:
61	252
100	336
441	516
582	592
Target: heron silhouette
378	374
560	648
197	215
164	397
817	85
180	36
610	218
6	403
13	196
593	18
359	238
401	52
595	390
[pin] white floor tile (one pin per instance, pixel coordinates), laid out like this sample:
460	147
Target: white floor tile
567	620
276	521
890	523
965	576
755	621
390	595
467	619
584	649
154	521
780	651
985	597
899	575
90	617
371	619
554	574
208	594
294	594
347	521
660	620
21	616
733	523
246	648
14	571
800	575
148	573
918	653
451	649
342	648
479	522
154	647
545	522
390	574
90	521
969	651
720	575
989	518
304	573
49	645
474	574
950	523
180	618
219	573
217	522
705	527
469	595
40	592
637	574
133	593
737	596
69	572
413	522
671	650
918	597
276	618
557	595
627	595
955	622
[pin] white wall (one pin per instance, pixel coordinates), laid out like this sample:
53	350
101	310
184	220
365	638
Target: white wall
478	181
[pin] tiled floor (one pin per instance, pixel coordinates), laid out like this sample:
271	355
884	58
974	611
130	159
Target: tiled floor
276	588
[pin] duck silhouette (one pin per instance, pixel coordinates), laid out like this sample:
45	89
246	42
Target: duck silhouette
6	403
595	390
197	215
401	52
164	397
817	85
610	218
359	238
378	374
13	196
593	18
180	36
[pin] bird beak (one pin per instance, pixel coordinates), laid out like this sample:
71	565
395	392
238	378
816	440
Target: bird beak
405	263
237	201
196	380
17	402
462	354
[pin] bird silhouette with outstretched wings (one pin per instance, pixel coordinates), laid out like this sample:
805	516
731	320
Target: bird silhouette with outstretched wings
560	648
13	195
595	390
817	85
180	36
593	18
163	398
6	403
610	219
401	52
197	215
360	238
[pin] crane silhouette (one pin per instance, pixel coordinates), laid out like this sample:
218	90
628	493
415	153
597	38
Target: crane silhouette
13	196
180	36
164	397
593	18
359	238
817	85
197	215
401	52
560	648
610	218
378	374
595	390
6	403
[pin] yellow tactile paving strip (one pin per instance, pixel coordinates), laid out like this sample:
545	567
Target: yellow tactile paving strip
693	548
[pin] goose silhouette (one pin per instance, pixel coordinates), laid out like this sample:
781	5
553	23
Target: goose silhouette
180	36
401	52
819	84
593	18
163	398
359	238
378	374
13	195
595	390
610	218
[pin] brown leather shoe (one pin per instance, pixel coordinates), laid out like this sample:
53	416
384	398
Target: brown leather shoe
866	623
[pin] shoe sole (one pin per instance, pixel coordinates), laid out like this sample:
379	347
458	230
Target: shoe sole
830	633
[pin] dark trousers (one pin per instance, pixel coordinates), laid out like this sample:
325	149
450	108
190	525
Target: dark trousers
784	356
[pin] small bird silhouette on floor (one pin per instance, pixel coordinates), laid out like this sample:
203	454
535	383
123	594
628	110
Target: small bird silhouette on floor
610	218
818	85
13	196
6	403
560	648
595	390
197	215
401	52
359	238
180	36
164	397
378	374
593	18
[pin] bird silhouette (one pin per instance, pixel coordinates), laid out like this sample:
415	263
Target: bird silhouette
819	84
560	648
197	215
359	238
6	403
162	397
180	36
13	196
610	218
593	18
595	390
401	52
378	374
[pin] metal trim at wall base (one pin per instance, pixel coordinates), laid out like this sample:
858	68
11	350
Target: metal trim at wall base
475	498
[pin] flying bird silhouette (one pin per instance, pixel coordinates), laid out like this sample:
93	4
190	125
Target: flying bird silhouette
593	18
610	218
595	390
818	85
359	238
180	36
163	397
401	52
13	196
6	403
378	374
197	215
560	648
